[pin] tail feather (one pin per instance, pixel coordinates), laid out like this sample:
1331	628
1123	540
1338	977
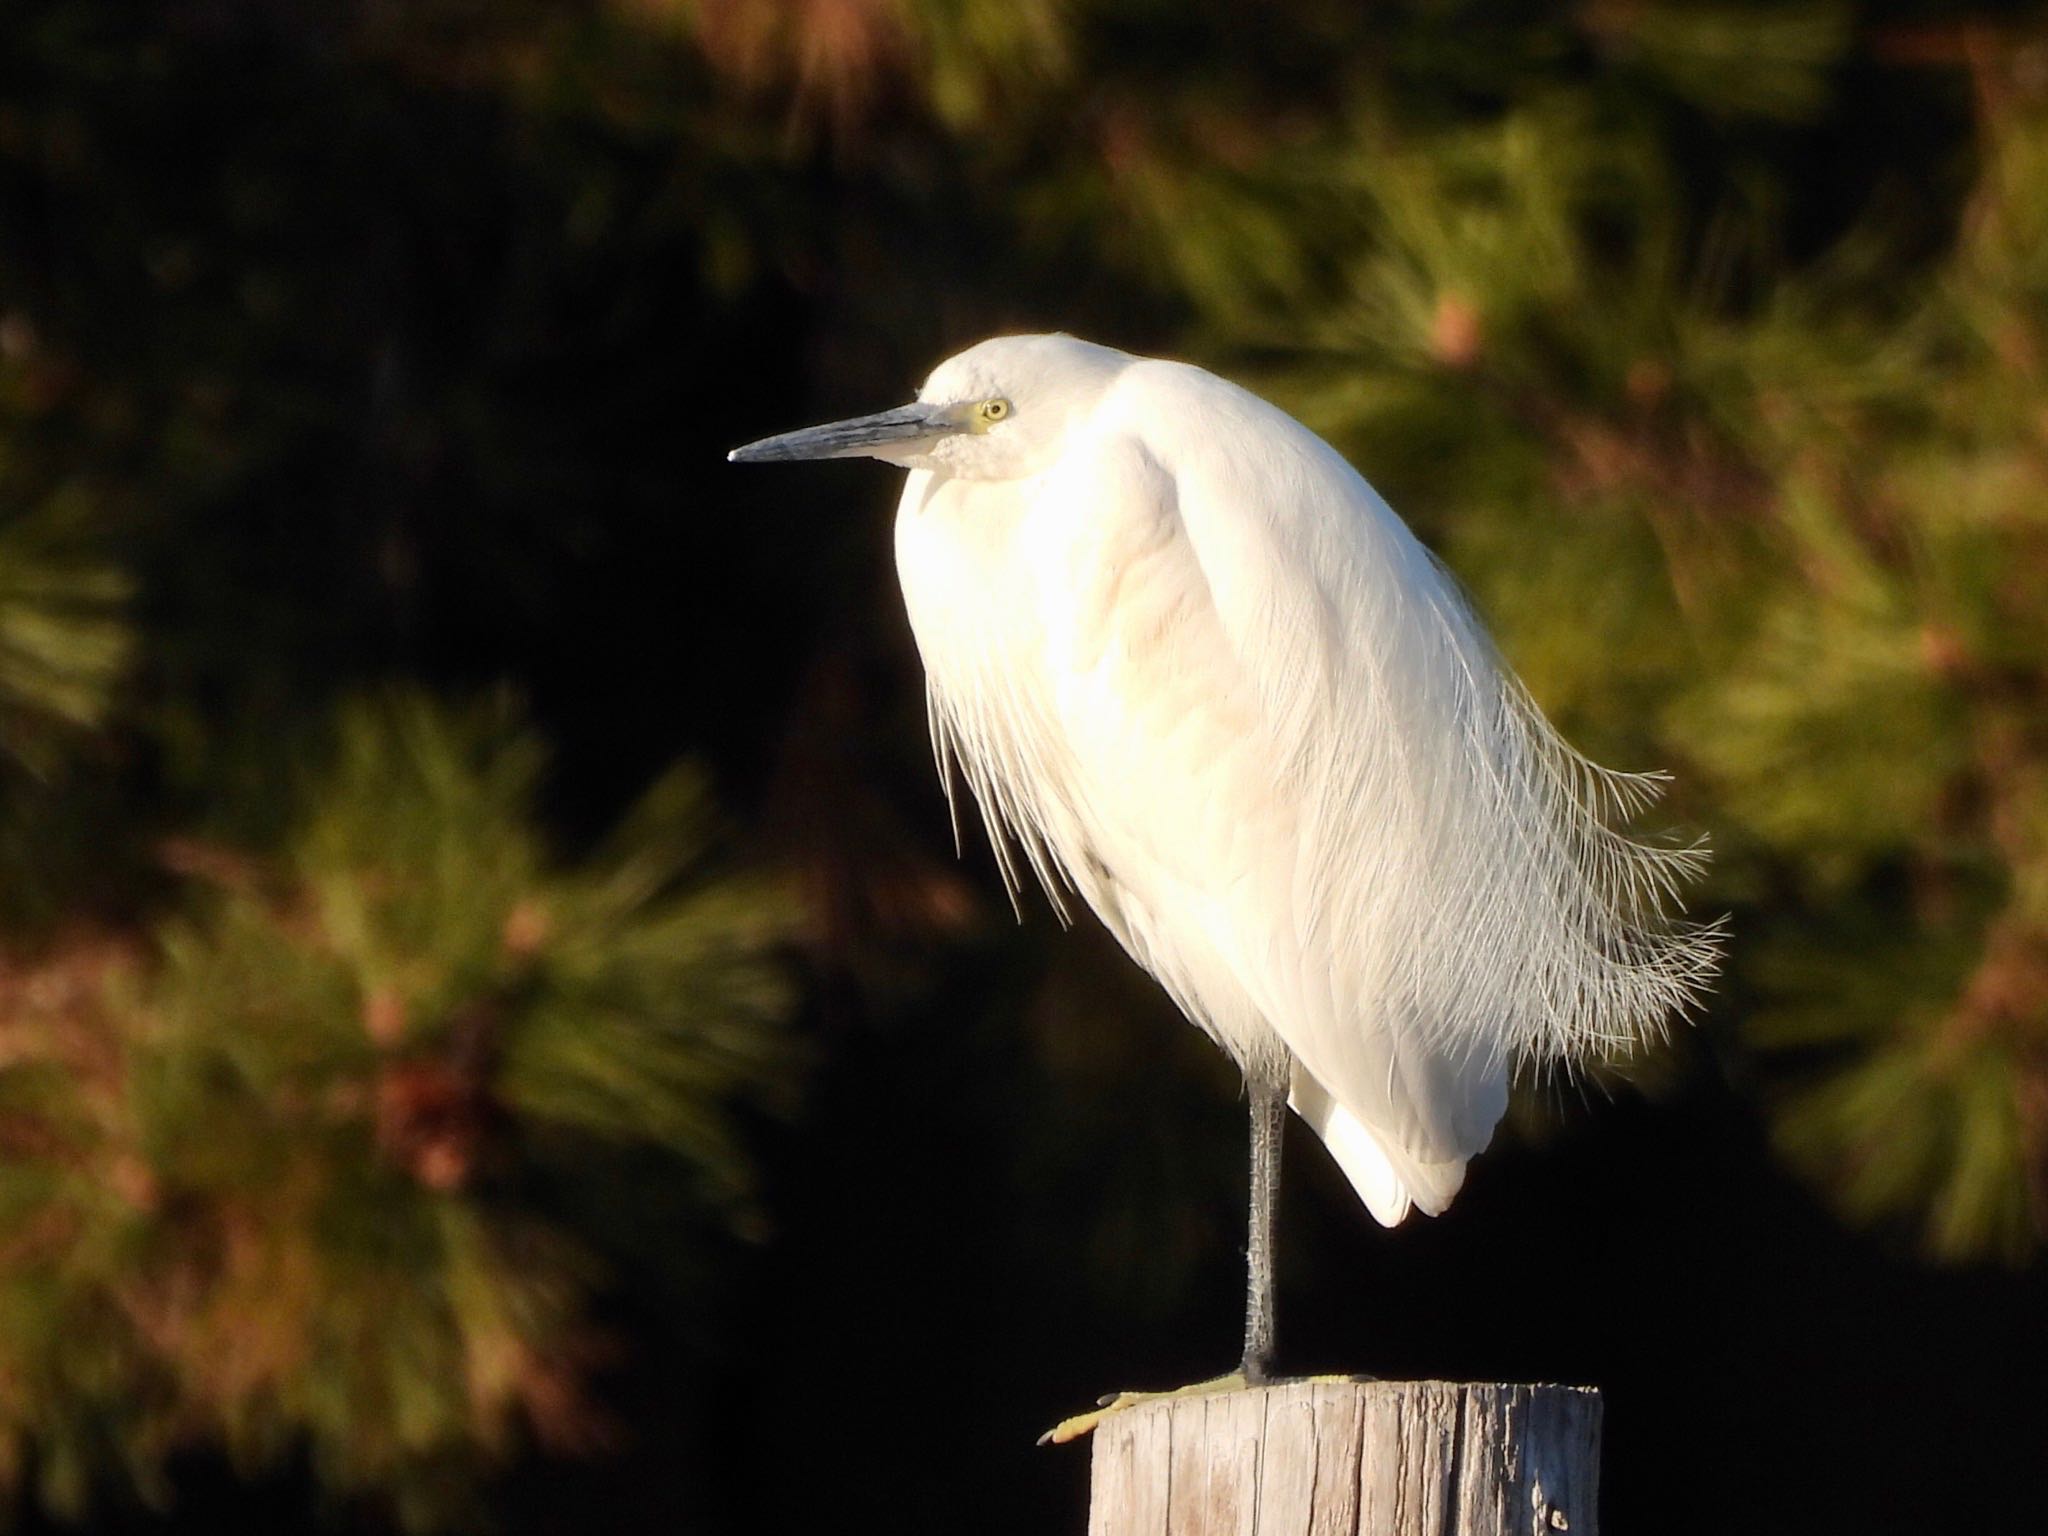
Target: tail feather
1389	1181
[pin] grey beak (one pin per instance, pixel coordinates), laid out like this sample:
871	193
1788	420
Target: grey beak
851	439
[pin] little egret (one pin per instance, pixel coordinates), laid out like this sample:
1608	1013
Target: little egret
1198	674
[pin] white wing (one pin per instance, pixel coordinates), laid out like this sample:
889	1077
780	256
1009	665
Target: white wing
1250	720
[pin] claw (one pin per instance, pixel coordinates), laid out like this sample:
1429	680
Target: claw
1070	1429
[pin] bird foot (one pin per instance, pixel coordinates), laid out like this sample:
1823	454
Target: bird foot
1117	1402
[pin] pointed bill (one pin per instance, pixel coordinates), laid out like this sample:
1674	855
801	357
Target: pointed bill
852	439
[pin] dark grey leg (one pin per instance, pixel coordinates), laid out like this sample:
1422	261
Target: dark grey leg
1269	1121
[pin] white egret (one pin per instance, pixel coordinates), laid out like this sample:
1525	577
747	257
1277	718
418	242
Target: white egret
1198	674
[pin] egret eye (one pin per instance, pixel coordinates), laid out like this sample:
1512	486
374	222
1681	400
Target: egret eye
989	412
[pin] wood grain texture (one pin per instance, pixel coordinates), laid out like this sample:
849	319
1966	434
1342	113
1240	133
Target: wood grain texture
1419	1458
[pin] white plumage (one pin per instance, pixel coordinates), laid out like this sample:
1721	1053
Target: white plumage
1195	671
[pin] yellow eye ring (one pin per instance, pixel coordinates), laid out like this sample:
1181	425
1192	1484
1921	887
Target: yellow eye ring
989	412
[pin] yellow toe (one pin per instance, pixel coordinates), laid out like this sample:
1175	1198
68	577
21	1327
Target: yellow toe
1117	1402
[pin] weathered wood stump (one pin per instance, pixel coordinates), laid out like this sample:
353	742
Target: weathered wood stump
1384	1458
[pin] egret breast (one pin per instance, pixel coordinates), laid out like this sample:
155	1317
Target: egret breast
1076	671
973	610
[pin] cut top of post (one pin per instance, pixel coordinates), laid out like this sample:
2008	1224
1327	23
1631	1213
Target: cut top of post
1346	1458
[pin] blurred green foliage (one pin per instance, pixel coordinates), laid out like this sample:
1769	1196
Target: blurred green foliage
271	1176
357	356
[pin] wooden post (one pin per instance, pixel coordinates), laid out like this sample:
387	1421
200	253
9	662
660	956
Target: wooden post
1341	1458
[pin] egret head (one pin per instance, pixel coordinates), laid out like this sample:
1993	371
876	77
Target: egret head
998	411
